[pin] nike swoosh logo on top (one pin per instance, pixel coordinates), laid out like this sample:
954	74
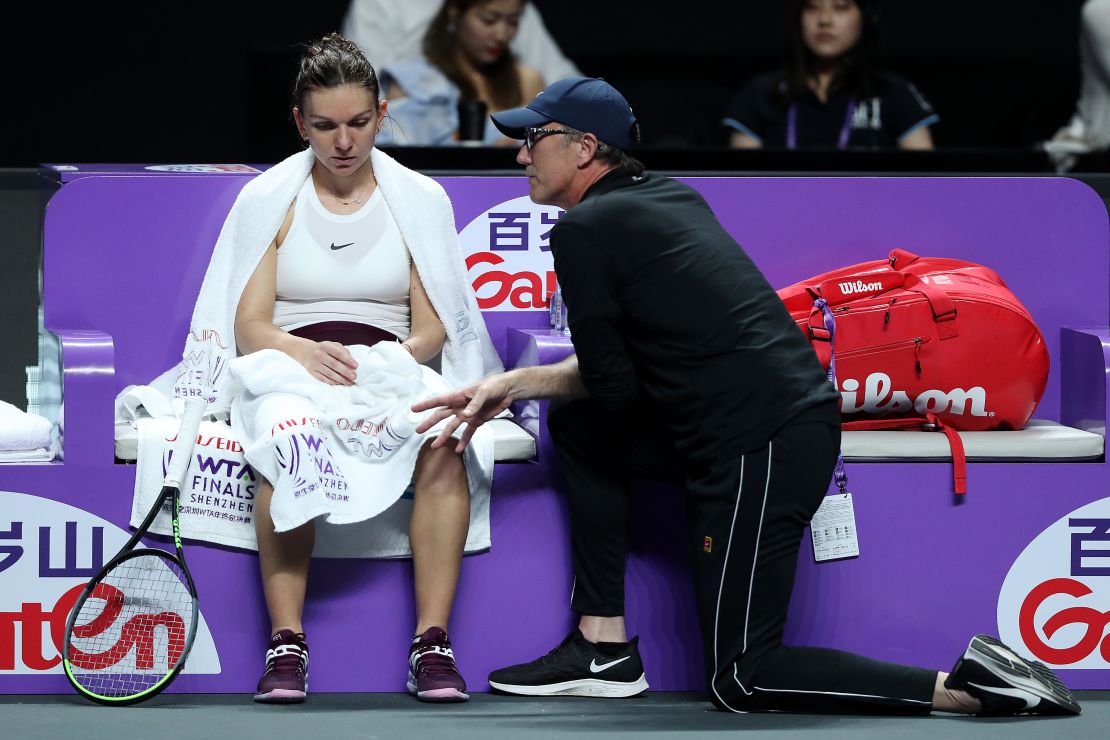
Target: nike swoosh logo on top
1016	693
334	246
595	668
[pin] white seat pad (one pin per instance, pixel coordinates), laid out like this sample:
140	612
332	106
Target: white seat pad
1040	440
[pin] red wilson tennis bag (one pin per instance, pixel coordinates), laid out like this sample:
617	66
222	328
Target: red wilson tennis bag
923	342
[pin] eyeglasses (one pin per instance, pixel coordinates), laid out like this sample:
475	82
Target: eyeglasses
532	135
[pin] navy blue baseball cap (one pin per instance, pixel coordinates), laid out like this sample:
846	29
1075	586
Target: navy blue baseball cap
587	104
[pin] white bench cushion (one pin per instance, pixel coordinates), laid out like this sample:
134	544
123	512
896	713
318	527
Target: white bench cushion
1039	441
510	442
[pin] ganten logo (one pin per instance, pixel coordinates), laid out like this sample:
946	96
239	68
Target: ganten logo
1054	605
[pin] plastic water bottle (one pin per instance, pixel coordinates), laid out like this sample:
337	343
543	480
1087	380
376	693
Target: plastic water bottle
558	310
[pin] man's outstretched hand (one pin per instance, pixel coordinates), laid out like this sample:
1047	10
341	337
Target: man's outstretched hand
475	405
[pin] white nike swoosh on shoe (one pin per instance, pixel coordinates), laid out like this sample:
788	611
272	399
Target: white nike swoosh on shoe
595	668
1016	693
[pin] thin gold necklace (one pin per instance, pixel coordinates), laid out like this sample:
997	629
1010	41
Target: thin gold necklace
356	201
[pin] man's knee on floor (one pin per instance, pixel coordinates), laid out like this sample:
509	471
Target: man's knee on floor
732	687
729	695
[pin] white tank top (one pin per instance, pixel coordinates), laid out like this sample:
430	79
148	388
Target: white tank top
334	267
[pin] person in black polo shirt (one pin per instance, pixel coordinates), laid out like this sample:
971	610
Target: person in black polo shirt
682	345
830	95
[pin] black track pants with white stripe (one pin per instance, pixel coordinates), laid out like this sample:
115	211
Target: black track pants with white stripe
746	517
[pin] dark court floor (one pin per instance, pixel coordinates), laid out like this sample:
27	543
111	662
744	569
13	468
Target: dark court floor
371	716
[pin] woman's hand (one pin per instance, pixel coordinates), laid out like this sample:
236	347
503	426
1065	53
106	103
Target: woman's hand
330	362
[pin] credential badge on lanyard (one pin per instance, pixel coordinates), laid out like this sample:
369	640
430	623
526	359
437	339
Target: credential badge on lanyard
833	526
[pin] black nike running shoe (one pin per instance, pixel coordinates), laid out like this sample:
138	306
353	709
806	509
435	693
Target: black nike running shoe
1008	684
576	668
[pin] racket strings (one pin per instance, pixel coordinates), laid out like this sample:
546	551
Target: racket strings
133	629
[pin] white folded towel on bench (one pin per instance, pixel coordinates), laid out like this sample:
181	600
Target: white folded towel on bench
39	454
25	437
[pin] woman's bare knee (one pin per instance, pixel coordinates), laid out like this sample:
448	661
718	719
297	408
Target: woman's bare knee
441	470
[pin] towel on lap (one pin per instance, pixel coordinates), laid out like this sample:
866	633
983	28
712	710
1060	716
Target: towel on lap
218	491
345	453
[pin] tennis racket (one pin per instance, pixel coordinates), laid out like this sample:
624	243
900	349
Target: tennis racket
132	627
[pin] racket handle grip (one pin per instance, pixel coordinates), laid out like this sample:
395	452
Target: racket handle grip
186	438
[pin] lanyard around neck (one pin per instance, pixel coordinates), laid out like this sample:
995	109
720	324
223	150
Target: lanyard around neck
845	130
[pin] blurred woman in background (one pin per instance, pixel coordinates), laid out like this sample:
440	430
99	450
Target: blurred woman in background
466	58
831	95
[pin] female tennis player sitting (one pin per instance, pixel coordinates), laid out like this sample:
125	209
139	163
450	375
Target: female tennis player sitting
367	255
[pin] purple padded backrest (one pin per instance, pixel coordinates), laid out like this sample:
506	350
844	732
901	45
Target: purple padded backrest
125	255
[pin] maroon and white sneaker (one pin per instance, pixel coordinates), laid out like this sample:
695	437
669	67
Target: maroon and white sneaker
433	675
286	678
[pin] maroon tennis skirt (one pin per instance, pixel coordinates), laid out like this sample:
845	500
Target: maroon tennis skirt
344	332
